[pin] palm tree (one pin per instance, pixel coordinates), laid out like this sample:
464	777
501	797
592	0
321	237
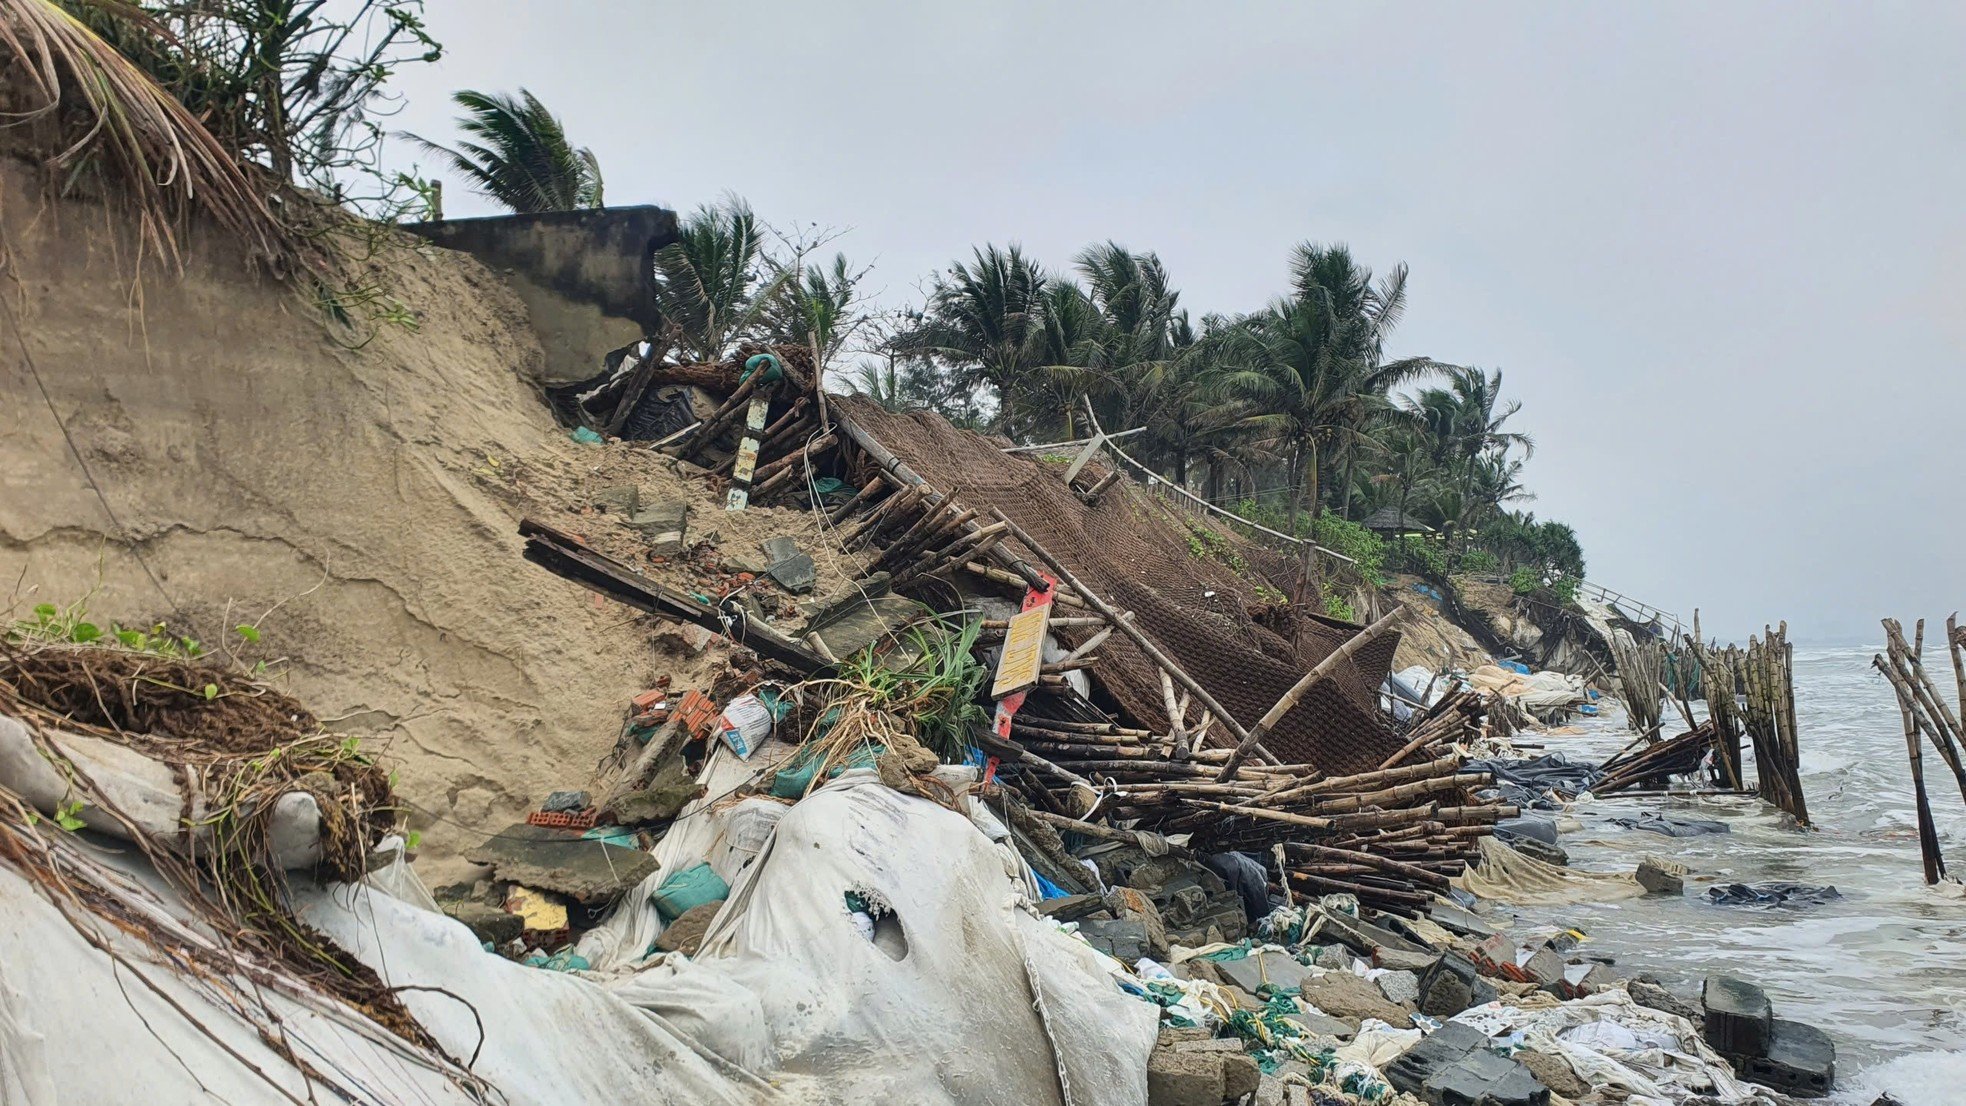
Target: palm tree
986	320
518	154
1481	425
703	285
1311	366
1467	429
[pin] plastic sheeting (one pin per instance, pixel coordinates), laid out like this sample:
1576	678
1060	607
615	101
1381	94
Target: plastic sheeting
961	995
1540	694
1625	1051
79	1027
1506	875
710	829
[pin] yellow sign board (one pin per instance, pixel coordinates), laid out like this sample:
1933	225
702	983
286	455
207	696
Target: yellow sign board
1023	652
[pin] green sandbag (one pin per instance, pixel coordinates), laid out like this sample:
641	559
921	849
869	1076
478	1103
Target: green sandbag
795	779
691	887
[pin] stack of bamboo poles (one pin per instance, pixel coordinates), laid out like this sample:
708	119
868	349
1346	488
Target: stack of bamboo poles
1639	680
1652	765
1391	836
1927	713
1719	682
1455	719
1767	673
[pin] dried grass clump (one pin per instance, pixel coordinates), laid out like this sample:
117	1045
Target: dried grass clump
248	745
82	104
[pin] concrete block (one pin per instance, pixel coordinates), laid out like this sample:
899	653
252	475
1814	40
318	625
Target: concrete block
1661	877
1801	1061
1260	969
1399	987
1184	1078
1739	1018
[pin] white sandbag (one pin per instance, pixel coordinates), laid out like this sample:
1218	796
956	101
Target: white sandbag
709	829
962	996
77	1027
145	790
546	1037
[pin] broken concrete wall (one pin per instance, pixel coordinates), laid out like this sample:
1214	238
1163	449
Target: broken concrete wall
584	275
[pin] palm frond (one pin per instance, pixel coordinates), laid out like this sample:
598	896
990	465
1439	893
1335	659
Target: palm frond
101	108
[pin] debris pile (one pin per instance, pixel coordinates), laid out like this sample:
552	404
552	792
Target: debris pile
970	671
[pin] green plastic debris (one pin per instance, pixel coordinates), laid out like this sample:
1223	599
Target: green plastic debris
1239	952
691	887
566	960
795	779
773	371
586	436
612	835
778	704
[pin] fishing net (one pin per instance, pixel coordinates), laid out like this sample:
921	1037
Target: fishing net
1207	598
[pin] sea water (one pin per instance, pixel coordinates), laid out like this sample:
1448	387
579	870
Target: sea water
1882	970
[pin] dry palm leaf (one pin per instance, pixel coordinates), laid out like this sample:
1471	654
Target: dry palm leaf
104	108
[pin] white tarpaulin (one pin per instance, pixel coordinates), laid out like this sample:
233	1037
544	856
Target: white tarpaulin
959	996
1643	1056
955	994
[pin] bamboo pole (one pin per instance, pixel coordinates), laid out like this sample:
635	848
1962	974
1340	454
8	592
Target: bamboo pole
867	491
1254	738
1928	835
1117	619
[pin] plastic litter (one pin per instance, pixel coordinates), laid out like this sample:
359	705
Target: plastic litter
1772	894
693	886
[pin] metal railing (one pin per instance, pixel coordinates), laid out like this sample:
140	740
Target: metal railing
1625	602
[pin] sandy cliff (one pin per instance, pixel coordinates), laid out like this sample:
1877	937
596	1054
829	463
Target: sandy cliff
371	495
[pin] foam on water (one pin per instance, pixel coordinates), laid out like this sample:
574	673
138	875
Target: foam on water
1884	969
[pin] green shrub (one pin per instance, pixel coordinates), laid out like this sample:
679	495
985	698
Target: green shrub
1565	588
1352	540
1479	561
1421	555
1335	606
1524	581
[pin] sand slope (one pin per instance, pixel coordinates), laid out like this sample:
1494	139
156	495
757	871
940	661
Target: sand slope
373	493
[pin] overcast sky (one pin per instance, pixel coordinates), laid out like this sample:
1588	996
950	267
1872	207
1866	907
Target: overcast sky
1718	251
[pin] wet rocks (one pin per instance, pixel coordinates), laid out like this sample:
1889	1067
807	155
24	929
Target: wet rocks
1661	877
